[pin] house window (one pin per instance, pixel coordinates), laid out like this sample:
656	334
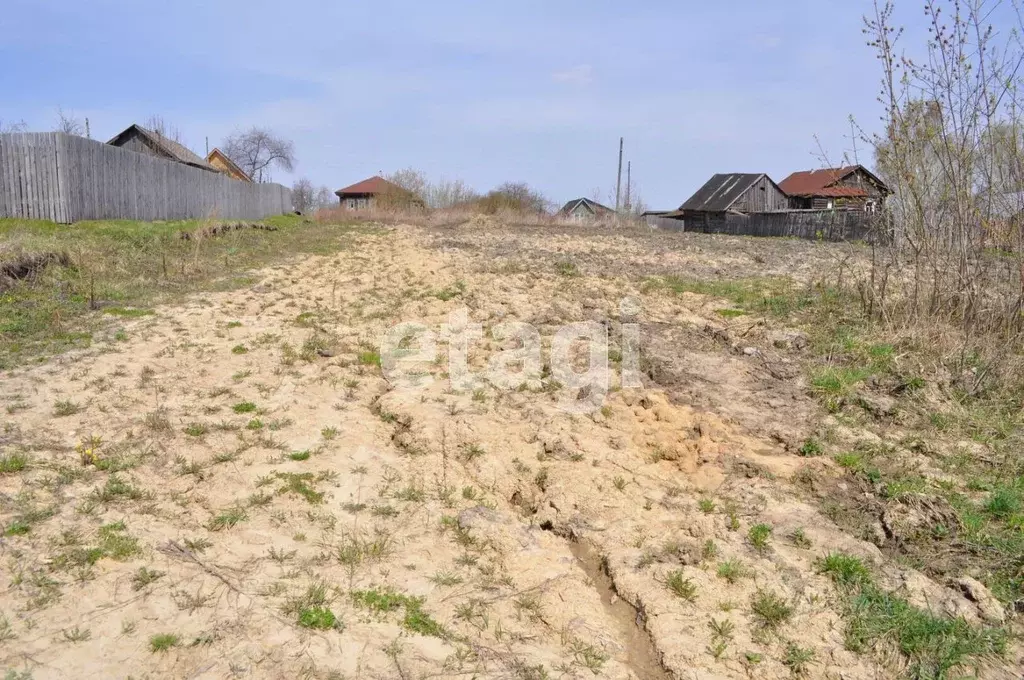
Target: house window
352	204
830	205
870	206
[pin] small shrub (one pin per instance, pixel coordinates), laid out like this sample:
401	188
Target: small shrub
163	642
681	586
317	618
797	659
770	609
732	570
845	570
810	448
12	463
65	408
244	407
196	429
759	535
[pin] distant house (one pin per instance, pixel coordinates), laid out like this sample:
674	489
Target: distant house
584	210
376	192
219	160
138	138
852	187
731	193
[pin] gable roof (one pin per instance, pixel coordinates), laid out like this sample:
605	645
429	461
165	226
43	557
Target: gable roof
373	185
819	182
223	157
721	191
173	149
592	206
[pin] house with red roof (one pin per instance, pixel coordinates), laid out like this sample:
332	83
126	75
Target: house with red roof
377	192
853	187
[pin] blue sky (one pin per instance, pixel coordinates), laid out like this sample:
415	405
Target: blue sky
532	90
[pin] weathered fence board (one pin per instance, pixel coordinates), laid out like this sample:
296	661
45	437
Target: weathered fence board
824	225
63	178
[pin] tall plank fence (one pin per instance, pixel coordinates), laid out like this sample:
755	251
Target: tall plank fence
59	177
825	225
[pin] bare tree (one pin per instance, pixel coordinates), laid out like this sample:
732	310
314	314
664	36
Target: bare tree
303	195
951	154
158	125
324	198
16	126
258	151
68	123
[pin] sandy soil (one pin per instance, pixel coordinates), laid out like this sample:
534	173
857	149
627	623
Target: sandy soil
261	464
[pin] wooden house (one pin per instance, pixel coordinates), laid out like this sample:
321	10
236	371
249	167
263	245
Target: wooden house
138	138
219	160
377	192
733	193
852	187
584	210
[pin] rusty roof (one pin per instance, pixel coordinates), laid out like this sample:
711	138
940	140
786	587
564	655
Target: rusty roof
819	182
373	185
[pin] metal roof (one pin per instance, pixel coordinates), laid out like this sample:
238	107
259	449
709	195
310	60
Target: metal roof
721	191
819	182
373	185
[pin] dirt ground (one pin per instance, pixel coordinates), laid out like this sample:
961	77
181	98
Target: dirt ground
231	488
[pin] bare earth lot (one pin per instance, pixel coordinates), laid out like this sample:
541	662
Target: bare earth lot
230	488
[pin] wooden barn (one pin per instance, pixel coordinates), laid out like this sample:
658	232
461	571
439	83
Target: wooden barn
852	187
731	193
138	138
584	210
219	160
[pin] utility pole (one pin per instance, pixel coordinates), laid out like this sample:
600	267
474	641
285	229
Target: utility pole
207	146
618	181
87	135
629	185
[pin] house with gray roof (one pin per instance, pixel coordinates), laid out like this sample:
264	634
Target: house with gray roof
737	193
138	138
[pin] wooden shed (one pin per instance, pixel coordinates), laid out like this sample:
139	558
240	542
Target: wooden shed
853	187
735	192
219	160
584	210
139	139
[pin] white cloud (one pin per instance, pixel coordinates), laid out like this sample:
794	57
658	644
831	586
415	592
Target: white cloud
577	75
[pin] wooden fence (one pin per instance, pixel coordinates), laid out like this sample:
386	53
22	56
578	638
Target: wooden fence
63	178
824	225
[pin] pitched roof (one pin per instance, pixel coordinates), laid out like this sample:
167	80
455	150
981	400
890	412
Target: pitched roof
816	182
173	149
721	191
217	153
592	206
373	185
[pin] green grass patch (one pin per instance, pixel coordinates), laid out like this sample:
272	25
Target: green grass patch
932	646
163	642
12	463
369	358
416	620
317	618
124	269
245	407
